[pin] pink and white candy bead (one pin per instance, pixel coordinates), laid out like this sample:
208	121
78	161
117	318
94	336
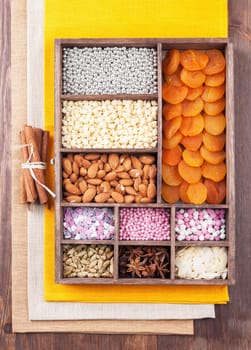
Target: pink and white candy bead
200	224
144	224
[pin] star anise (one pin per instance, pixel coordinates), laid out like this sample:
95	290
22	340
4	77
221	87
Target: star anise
162	269
149	270
136	266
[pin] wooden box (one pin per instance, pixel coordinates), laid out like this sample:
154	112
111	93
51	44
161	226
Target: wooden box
162	46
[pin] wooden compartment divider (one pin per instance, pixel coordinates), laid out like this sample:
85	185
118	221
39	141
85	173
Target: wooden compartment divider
161	45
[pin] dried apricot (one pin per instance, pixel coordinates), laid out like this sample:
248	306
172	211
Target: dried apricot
214	108
193	93
215	125
183	192
171	175
193	59
212	94
212	157
173	141
192	108
216	63
174	79
170	194
216	79
192	79
170	127
189	174
215	172
192	126
171	62
172	156
192	142
174	94
216	191
171	111
214	143
192	158
197	193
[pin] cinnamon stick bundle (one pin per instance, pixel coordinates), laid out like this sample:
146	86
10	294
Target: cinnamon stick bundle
31	190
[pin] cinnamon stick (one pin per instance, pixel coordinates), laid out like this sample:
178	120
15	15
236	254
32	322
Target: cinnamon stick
23	195
39	173
44	148
29	186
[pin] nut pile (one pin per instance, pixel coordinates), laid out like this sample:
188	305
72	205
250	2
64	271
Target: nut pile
88	261
144	224
144	262
88	223
201	263
200	224
109	70
111	178
109	124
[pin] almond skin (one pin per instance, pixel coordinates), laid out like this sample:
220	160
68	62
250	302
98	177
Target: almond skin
110	176
118	197
143	190
88	195
82	186
78	159
92	156
73	199
136	184
151	190
145	200
94	181
102	197
147	159
113	160
123	175
72	189
85	163
126	182
92	171
127	164
136	163
75	168
146	169
152	171
100	174
129	198
130	190
67	166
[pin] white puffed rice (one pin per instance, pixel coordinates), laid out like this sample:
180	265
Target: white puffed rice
201	263
109	124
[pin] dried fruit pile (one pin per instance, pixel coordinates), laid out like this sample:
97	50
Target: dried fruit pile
144	262
111	178
193	158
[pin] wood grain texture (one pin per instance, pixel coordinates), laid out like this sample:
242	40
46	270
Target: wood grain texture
231	329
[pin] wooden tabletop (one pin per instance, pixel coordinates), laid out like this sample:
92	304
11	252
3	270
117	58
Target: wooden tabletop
232	328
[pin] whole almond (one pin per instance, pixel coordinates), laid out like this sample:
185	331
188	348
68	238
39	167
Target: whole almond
123	175
88	196
67	194
152	171
92	171
102	197
151	190
129	198
136	184
78	159
107	167
75	168
126	182
92	156
118	197
94	181
145	200
138	198
110	200
135	173
114	183
122	157
98	189
113	160
67	181
65	176
120	188
79	180
73	199
82	186
67	166
92	186
72	189
73	177
127	164
145	182
100	174
85	163
82	171
105	186
119	168
136	163
147	159
146	169
100	164
130	190
110	176
143	190
104	158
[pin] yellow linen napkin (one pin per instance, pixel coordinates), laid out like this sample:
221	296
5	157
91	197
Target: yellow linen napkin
124	18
